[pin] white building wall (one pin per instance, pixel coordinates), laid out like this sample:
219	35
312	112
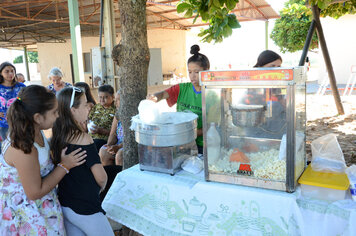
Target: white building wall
340	36
171	42
58	55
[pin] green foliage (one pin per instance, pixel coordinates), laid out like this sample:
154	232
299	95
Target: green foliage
32	57
18	60
335	10
290	31
216	12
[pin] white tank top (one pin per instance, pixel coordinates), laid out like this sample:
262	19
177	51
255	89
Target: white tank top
44	159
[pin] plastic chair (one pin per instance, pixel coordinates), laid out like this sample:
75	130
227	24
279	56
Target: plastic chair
324	84
351	81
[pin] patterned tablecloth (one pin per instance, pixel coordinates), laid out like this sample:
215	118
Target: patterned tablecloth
185	204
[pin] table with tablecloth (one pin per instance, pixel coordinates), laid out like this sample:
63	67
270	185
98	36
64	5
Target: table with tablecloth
185	204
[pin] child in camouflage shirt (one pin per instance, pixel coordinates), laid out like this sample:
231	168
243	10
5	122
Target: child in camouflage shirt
102	114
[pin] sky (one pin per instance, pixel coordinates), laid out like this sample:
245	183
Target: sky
239	50
243	47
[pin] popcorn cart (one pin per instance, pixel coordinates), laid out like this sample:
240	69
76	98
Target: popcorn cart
254	126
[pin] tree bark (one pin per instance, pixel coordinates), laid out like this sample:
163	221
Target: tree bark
329	66
132	56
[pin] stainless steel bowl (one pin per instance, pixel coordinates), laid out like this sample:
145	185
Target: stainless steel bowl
182	129
248	115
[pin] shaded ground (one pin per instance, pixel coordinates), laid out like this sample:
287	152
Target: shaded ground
323	119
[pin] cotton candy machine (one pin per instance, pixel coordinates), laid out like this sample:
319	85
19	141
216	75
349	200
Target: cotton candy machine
165	142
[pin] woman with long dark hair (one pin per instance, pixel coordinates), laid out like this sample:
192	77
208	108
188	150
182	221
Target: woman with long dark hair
9	88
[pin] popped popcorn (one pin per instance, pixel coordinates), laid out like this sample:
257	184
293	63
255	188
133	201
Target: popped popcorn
265	165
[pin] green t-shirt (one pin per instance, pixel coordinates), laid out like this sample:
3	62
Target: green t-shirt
188	99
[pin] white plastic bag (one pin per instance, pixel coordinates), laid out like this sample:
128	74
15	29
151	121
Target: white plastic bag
148	111
91	126
193	165
327	155
351	174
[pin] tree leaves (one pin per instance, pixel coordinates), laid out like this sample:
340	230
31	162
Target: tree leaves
335	10
18	59
31	56
290	31
233	22
216	12
183	7
231	4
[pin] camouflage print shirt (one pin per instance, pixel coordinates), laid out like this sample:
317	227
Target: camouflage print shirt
102	117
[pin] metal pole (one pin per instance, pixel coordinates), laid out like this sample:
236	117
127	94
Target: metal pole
307	43
266	37
76	40
101	22
110	41
26	63
329	66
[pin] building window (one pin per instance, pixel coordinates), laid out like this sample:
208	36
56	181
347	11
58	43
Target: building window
87	62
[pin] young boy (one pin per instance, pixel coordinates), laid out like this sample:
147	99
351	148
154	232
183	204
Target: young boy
20	78
102	115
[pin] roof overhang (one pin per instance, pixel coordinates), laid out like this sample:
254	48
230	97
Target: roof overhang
28	22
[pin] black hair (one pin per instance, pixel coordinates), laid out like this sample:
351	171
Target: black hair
266	57
199	58
87	91
106	88
2	67
31	100
65	128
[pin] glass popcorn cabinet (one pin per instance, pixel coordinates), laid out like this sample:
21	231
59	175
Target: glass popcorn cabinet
254	126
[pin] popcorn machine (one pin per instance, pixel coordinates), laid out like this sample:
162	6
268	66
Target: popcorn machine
260	116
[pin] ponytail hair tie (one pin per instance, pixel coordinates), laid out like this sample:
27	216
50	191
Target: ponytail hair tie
18	98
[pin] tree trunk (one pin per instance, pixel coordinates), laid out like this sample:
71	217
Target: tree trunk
329	66
132	56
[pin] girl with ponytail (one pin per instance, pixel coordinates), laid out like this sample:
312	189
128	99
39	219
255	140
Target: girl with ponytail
187	96
28	177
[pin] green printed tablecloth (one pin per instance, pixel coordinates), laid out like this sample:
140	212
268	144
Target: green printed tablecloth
184	204
328	218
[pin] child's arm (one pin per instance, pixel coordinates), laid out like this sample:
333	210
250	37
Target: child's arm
99	175
112	137
114	148
100	130
158	96
28	168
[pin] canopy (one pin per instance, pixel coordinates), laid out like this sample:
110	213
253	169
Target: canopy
27	22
